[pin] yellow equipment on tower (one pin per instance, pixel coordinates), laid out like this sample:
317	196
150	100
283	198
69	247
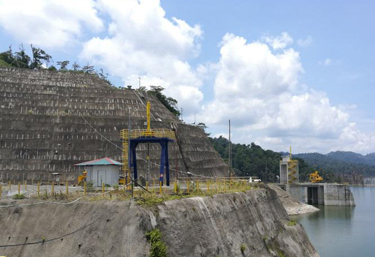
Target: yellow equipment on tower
315	177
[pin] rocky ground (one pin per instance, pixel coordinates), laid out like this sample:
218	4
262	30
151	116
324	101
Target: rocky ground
251	223
291	205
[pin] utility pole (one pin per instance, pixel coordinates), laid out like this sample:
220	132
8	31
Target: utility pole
129	154
230	152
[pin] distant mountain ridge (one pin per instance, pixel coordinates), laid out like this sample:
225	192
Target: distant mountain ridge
351	157
341	162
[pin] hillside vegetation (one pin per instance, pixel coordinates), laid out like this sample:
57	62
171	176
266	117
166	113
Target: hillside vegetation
252	160
347	166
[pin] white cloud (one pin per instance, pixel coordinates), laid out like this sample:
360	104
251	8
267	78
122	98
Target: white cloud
329	62
48	23
142	42
259	90
305	42
355	140
279	42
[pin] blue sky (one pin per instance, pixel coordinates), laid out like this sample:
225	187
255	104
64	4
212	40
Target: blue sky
285	72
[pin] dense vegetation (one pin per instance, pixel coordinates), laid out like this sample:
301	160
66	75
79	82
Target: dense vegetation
354	158
252	160
39	59
345	165
168	102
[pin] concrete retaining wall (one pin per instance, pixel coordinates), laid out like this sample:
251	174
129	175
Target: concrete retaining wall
338	195
327	194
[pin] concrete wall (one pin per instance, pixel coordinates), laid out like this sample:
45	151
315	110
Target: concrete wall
283	173
297	192
338	195
326	194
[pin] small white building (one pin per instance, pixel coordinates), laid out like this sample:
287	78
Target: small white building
100	171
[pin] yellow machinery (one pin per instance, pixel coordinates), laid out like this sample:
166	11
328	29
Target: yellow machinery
137	133
82	178
315	177
292	169
121	180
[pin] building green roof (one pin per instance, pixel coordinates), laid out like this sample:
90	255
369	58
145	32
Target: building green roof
99	162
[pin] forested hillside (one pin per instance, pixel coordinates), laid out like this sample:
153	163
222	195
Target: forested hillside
346	166
354	158
252	160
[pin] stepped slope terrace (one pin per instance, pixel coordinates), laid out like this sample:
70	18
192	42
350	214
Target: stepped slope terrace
48	121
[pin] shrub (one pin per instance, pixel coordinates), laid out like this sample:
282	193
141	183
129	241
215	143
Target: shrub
243	248
158	247
19	196
90	186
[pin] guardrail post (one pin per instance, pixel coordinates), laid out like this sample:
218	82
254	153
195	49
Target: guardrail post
188	186
52	188
103	189
38	190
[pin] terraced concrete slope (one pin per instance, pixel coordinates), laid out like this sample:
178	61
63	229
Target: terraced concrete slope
51	120
253	223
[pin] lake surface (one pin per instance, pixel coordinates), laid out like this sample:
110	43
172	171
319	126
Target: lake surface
344	231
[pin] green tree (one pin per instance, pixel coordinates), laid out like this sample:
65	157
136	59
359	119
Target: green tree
21	59
63	65
168	102
39	56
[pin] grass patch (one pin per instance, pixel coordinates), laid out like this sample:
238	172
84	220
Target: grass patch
158	247
19	196
150	200
242	248
153	199
292	223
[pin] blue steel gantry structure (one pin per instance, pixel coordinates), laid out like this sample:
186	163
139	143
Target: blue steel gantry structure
131	139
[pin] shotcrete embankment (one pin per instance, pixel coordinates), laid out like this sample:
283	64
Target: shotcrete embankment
52	120
238	224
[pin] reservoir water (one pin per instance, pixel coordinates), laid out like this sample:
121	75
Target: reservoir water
344	231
